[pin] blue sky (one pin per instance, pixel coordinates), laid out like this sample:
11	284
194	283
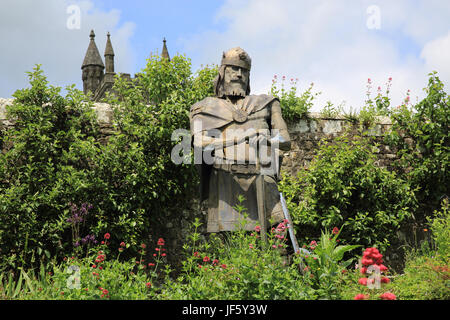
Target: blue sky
155	20
333	44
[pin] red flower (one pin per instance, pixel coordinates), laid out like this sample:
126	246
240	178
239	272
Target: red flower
257	228
196	254
143	246
383	268
385	280
151	264
335	230
224	266
206	259
148	284
388	296
122	244
363	281
360	297
104	293
215	261
161	242
163	255
94	266
367	262
107	236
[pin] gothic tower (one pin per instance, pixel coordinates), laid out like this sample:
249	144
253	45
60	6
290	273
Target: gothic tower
165	52
109	56
92	67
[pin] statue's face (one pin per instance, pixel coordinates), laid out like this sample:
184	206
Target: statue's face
235	81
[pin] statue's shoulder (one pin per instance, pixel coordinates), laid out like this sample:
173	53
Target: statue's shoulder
199	106
262	98
260	101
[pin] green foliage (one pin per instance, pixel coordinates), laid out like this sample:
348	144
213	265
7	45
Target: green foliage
421	135
46	165
95	277
424	278
331	111
440	226
238	266
344	186
293	107
55	159
138	167
325	265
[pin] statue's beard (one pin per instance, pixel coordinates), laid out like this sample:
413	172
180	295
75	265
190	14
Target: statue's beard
235	89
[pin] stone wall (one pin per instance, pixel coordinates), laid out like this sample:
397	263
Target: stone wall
307	133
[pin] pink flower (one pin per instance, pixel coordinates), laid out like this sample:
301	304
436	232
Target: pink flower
107	236
161	242
335	230
388	296
360	297
257	228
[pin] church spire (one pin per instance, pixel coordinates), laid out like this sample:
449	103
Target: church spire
165	52
92	67
92	56
109	56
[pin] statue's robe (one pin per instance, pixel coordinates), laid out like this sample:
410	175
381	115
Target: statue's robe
234	168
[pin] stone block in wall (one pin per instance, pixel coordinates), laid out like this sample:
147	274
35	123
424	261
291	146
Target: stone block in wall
332	127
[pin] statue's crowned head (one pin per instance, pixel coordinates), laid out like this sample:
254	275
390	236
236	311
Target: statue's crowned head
234	74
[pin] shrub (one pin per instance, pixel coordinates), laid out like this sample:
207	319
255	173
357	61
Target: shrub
238	266
293	107
420	133
440	226
54	159
344	186
324	264
46	165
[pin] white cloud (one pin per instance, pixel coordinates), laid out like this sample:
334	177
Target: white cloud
437	57
35	32
329	43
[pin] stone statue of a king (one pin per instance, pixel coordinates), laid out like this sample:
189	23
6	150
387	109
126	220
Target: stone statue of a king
240	137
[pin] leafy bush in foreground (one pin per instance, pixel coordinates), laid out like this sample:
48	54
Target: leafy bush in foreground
344	186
